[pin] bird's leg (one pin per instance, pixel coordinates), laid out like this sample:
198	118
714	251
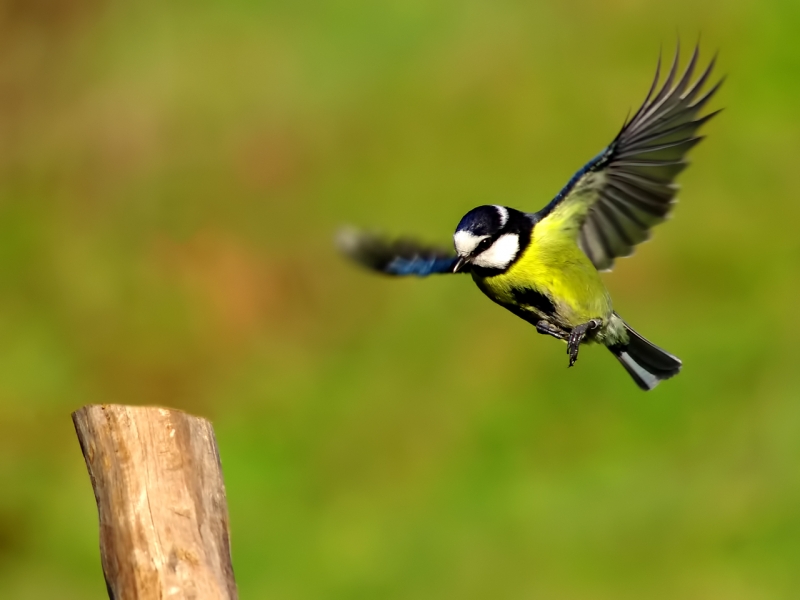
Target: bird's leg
576	337
546	328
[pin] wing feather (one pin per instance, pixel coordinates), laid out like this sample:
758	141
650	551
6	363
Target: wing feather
400	257
629	187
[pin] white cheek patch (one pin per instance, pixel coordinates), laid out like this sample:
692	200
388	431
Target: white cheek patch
500	254
466	242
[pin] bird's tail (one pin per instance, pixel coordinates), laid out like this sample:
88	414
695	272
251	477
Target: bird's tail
645	362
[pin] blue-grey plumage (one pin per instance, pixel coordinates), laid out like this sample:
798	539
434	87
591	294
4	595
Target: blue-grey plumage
543	266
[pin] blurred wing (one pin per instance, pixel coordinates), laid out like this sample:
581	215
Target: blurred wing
613	202
395	257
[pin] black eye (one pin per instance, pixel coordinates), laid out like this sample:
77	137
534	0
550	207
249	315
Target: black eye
483	245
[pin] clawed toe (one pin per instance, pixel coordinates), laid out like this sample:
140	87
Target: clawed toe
573	338
577	335
572	347
546	328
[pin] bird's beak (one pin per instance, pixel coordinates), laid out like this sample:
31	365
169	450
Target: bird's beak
460	264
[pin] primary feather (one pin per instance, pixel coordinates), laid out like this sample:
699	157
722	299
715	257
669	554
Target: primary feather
403	256
614	201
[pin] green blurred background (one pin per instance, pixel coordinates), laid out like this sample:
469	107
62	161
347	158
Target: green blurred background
171	175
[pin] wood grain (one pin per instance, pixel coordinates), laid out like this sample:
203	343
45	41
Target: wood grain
161	503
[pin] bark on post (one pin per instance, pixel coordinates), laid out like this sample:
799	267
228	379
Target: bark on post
161	503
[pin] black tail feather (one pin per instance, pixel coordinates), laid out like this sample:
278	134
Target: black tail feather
646	363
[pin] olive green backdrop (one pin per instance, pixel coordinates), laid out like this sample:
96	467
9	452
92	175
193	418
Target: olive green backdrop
171	176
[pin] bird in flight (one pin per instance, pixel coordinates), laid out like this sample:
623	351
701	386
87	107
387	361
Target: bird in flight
544	266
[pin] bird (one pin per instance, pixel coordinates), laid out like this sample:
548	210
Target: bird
544	266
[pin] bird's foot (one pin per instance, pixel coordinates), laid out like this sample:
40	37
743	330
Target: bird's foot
546	328
576	337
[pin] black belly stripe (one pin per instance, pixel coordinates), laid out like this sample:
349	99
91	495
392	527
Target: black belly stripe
534	299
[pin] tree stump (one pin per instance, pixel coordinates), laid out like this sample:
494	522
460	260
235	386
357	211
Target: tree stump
161	503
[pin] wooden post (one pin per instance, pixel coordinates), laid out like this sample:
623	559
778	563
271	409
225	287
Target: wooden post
157	480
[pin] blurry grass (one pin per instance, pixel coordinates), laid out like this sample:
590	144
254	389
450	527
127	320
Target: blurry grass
170	178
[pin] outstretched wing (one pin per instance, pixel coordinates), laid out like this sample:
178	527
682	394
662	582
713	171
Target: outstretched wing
401	256
612	203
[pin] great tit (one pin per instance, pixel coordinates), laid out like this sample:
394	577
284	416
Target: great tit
543	266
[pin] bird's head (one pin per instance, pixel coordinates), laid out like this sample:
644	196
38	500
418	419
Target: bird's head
488	237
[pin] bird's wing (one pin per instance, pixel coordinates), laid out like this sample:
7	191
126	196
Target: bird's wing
611	204
402	256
